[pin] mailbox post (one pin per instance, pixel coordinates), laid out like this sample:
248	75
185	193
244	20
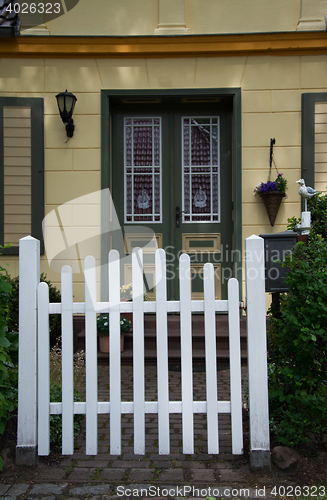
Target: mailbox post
277	246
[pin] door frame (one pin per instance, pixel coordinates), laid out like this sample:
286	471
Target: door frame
107	96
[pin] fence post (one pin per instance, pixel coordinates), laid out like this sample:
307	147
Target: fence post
257	353
29	277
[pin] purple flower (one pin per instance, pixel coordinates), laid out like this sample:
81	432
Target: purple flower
268	186
280	184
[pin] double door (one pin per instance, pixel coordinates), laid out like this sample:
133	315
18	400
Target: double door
172	189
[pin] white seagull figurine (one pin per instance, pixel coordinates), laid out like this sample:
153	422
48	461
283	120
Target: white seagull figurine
305	192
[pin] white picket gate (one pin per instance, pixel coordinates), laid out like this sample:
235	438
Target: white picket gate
35	370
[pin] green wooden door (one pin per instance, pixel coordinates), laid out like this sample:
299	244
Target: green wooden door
172	188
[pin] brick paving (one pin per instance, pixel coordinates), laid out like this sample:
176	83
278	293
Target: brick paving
100	477
151	421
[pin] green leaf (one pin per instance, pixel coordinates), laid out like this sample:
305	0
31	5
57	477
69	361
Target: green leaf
5	286
4	342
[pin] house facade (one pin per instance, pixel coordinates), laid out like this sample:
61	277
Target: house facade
177	102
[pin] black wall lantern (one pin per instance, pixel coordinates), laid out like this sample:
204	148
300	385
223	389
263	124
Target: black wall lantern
66	104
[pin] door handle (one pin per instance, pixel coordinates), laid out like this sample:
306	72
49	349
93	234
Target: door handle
178	215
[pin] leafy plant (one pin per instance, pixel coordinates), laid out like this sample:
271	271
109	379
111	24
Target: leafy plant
280	184
56	391
55	365
125	325
103	325
126	293
297	343
292	222
7	395
56	420
318	207
13	303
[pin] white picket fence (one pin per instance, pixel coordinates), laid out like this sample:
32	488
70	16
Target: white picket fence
34	371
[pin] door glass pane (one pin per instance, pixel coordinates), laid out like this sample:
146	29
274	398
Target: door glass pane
200	156
142	169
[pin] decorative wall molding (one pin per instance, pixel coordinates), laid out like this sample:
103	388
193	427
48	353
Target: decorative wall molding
313	15
171	18
311	24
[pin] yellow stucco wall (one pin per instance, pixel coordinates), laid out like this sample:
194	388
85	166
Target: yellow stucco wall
108	17
271	107
128	17
237	16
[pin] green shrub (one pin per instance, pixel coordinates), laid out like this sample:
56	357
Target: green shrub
56	390
7	394
292	222
13	347
56	420
54	296
297	345
317	205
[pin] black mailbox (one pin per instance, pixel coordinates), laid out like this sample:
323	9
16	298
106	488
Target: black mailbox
277	246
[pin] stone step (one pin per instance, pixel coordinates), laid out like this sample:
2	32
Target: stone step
174	350
174	355
150	342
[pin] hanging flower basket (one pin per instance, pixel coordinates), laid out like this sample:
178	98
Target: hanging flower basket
272	192
272	201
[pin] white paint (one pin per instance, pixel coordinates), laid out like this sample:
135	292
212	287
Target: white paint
235	366
151	407
186	354
305	220
91	357
114	353
67	361
139	407
29	277
43	371
138	352
149	307
162	354
257	346
211	358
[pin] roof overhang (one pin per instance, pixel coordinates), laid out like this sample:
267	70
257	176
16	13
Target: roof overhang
274	44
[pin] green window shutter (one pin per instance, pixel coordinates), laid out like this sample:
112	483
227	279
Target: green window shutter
308	135
21	170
